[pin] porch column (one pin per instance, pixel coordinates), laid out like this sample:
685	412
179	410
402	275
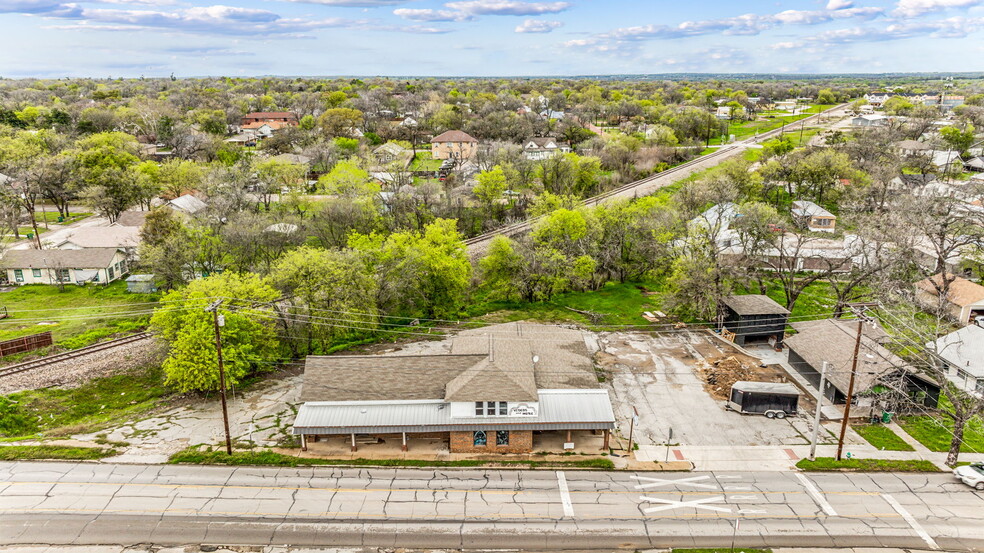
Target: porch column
303	442
608	434
569	437
353	443
404	441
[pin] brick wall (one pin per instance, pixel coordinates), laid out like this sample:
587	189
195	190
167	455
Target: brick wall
520	441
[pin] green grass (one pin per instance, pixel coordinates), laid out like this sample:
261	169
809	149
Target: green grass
866	465
935	433
75	310
49	452
269	458
882	437
52	217
425	162
56	412
613	304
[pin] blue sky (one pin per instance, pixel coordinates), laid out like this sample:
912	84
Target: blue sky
100	38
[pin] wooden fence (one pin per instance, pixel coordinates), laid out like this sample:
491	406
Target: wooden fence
25	343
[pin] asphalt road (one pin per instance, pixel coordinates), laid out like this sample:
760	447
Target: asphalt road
89	504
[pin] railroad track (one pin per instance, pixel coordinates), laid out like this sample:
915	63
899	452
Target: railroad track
725	151
59	357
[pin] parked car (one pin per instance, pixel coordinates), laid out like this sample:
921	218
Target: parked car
972	475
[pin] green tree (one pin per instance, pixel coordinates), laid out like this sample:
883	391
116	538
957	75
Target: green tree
248	335
826	96
958	140
347	179
211	121
490	186
340	121
104	163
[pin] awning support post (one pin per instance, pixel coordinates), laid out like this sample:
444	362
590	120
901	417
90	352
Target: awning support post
303	442
404	441
353	443
608	434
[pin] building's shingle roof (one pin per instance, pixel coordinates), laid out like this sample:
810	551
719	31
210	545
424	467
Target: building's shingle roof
754	304
806	208
102	237
88	258
187	203
270	115
132	218
833	341
961	292
454	136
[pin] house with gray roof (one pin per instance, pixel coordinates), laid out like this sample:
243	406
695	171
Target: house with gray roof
963	353
186	204
496	390
69	266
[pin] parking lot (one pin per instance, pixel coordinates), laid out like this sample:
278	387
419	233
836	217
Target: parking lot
656	373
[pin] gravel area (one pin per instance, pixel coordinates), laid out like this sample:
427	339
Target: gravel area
72	373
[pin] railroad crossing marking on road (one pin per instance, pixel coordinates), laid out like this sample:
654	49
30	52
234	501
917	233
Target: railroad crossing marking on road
654	482
696	503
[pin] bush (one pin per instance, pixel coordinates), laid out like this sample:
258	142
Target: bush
866	465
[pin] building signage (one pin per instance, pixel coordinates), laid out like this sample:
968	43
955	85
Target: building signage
523	410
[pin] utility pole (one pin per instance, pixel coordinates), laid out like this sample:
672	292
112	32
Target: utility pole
858	309
219	321
816	418
635	415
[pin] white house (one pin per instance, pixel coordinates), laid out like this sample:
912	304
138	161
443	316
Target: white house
543	147
95	265
813	217
963	353
497	387
115	236
186	204
870	120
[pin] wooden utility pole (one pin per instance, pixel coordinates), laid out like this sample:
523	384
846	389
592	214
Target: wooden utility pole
858	309
214	308
816	419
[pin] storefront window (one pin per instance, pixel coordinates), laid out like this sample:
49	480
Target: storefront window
502	437
480	438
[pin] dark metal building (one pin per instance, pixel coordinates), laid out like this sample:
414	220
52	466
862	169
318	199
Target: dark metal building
754	318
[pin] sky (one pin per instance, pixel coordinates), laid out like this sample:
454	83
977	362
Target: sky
132	38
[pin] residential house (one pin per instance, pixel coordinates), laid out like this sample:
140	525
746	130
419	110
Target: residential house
754	318
95	265
870	120
186	205
813	217
975	164
802	253
552	114
911	182
947	161
276	119
498	391
833	341
963	353
544	147
114	236
911	147
456	145
964	300
390	152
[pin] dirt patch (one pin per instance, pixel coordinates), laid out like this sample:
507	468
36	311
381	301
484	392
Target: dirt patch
720	373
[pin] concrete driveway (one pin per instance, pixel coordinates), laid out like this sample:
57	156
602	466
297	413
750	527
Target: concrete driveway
655	373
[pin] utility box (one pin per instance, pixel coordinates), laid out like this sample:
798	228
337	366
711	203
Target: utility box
774	400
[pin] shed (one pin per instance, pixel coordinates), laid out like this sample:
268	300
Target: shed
140	284
754	318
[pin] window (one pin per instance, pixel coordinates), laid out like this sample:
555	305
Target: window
491	408
36	273
980	386
63	276
480	438
502	437
112	275
18	275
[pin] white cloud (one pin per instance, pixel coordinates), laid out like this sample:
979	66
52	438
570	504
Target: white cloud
839	4
507	7
537	26
432	15
912	8
352	3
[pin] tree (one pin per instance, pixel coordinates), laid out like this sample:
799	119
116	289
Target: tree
347	179
958	140
826	96
159	225
490	187
331	295
248	336
340	121
104	163
276	177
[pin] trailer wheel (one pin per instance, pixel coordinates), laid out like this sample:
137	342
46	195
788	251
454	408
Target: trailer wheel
780	414
770	414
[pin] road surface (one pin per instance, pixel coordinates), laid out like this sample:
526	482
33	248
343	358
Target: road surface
93	503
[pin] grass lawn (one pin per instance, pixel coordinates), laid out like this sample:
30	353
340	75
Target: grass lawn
866	465
613	304
77	315
882	437
47	452
52	217
424	162
270	458
817	300
935	433
55	412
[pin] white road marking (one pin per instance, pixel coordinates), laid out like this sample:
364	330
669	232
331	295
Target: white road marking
740	497
816	495
565	494
738	488
911	520
697	504
751	511
654	482
728	477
